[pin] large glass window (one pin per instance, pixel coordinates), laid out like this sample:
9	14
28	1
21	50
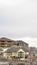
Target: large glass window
21	54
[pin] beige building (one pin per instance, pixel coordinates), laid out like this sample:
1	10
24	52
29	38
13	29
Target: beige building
18	52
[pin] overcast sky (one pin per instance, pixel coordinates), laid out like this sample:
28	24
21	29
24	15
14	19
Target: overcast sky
18	18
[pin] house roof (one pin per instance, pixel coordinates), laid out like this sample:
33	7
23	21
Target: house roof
20	41
7	41
16	48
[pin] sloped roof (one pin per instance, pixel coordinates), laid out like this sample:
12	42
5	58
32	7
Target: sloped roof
13	42
5	39
20	41
16	48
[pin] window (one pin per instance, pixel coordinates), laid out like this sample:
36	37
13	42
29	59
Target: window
26	56
17	44
21	54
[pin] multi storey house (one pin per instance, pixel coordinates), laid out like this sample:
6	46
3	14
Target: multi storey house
17	53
